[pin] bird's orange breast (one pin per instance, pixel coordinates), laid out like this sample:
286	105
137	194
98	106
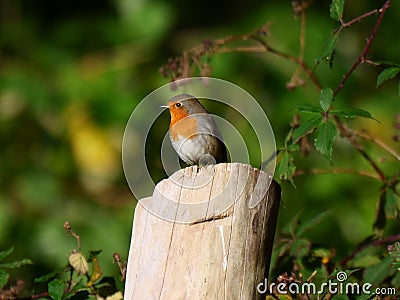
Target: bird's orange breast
184	126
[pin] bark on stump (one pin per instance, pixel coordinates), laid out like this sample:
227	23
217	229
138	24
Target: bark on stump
204	234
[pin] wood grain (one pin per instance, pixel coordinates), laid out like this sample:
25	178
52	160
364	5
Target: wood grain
204	234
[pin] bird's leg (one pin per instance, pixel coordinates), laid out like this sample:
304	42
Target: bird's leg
207	162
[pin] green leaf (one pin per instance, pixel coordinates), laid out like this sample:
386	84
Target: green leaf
306	127
340	297
325	98
4	254
326	134
309	109
321	252
378	273
336	9
367	257
380	212
387	74
285	168
82	284
300	248
293	224
47	277
3	278
56	289
364	261
17	264
396	280
312	223
329	48
351	113
391	204
119	285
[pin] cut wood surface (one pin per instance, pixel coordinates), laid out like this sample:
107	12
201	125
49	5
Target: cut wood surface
204	234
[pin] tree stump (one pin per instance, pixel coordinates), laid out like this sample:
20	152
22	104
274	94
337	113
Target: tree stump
204	234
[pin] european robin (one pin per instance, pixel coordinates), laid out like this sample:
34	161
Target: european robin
194	133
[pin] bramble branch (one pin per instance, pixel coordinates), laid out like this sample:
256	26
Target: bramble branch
295	60
380	242
377	142
335	171
362	58
68	230
122	266
351	137
184	66
357	19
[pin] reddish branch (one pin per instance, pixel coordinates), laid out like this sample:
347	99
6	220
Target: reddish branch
362	58
122	266
374	243
296	60
351	137
184	66
46	294
68	230
377	142
358	19
335	171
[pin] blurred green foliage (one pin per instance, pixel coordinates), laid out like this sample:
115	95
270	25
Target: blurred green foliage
72	72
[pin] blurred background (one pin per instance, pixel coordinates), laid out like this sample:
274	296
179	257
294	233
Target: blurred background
71	74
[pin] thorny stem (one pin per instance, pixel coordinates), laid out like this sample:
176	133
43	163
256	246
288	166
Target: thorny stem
37	296
364	154
242	49
266	48
68	229
335	171
71	273
371	62
374	243
221	46
377	142
302	39
122	266
300	9
295	60
344	130
347	133
358	19
362	58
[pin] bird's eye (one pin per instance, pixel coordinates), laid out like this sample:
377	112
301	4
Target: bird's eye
178	105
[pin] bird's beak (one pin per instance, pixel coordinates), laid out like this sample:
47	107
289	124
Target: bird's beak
164	106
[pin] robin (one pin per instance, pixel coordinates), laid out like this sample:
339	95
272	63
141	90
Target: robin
194	133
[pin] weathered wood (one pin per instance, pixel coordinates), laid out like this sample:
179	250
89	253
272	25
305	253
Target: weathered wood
203	236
